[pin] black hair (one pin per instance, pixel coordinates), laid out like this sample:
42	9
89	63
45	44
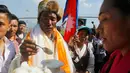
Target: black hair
38	18
88	30
22	22
14	17
122	5
4	9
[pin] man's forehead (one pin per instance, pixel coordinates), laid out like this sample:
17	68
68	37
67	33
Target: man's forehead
82	31
49	14
22	25
3	15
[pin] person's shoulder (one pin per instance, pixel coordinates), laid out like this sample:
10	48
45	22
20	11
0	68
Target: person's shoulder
115	53
9	45
19	40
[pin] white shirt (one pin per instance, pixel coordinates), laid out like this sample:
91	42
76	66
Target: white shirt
8	56
90	46
21	35
91	63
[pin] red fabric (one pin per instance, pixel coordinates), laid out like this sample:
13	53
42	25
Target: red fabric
70	13
121	64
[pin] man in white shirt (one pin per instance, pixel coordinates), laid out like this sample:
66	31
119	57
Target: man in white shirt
21	29
82	54
7	51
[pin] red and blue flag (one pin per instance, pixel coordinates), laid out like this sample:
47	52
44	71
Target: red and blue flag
71	18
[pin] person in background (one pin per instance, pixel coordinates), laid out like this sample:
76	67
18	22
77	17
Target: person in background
11	33
82	54
21	33
94	27
114	26
99	53
47	36
7	49
92	36
80	23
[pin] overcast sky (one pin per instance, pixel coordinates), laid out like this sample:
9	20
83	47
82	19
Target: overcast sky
28	8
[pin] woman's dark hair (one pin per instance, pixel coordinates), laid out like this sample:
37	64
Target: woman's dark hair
4	9
122	5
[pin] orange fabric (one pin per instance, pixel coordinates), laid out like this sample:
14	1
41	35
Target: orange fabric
30	59
61	52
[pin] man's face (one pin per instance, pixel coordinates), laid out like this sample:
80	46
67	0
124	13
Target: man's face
113	27
13	27
47	22
4	24
22	28
82	36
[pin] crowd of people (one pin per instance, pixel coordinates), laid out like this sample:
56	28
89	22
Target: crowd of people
91	50
9	40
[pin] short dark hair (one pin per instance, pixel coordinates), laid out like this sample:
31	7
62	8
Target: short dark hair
4	9
123	6
22	22
14	17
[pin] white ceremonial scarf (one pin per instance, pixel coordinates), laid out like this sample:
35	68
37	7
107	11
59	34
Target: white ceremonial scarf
82	51
41	39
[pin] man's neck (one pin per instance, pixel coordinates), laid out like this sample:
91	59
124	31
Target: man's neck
19	32
12	38
80	45
1	40
50	36
2	44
